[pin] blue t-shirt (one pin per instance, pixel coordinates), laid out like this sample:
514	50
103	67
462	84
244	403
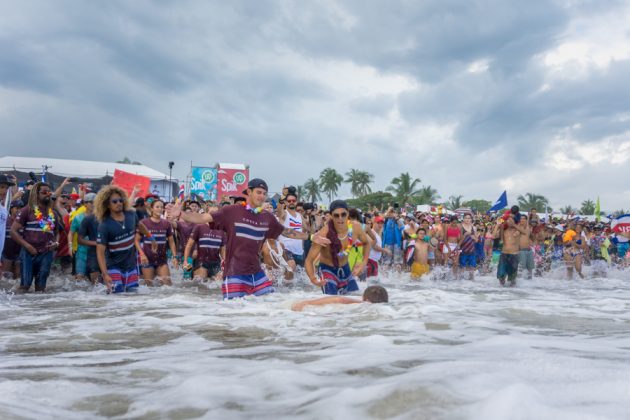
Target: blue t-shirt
118	237
89	230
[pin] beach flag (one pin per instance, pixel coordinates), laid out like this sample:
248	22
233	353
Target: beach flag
621	224
597	211
500	204
181	194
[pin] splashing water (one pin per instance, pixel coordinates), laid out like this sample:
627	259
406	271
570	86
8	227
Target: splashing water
547	349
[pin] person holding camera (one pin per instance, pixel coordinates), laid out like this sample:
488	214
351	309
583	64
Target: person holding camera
39	239
291	219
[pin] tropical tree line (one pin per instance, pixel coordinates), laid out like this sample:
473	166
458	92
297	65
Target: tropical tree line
406	190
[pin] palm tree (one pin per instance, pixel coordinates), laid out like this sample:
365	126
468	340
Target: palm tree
404	187
567	210
312	191
329	182
427	195
588	207
533	201
128	161
300	191
359	182
454	202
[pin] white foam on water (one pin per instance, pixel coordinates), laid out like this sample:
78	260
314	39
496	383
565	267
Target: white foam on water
547	349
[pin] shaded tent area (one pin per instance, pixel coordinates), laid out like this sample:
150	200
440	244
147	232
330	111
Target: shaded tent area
94	174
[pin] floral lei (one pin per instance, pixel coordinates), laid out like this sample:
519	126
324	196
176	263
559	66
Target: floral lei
346	251
46	224
256	210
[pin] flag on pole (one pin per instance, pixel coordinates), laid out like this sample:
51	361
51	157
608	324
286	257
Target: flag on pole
180	196
597	211
500	204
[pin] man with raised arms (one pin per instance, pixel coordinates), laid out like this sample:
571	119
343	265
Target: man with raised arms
247	227
335	275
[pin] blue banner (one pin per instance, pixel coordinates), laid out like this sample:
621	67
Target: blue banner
203	183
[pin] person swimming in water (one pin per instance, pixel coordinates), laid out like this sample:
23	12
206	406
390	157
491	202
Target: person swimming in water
372	294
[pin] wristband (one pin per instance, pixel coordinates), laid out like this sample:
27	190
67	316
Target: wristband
310	237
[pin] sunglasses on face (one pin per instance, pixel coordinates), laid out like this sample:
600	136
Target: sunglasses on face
340	215
291	201
45	192
116	201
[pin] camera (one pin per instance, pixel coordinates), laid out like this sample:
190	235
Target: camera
292	191
309	206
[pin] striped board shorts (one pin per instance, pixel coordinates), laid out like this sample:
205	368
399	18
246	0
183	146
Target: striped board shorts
123	281
339	280
250	284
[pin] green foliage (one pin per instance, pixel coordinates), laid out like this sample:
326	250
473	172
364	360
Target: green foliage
312	193
587	208
531	200
454	202
478	205
404	188
329	182
359	182
379	199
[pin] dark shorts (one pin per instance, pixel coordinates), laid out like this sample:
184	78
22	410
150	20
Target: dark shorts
508	267
213	267
92	265
339	280
468	260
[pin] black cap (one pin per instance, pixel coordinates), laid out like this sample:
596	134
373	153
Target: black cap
6	180
139	202
256	183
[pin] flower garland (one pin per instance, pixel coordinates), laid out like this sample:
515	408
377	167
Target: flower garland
346	251
47	224
256	210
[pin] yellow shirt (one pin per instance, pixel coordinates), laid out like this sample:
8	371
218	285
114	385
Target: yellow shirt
73	214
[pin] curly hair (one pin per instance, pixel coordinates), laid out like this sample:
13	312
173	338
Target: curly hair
101	203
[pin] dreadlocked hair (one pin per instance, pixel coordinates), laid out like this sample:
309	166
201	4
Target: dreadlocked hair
33	197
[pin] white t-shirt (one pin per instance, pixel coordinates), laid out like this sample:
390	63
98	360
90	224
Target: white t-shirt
294	246
376	255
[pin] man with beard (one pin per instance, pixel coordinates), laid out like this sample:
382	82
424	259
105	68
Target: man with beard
291	219
40	237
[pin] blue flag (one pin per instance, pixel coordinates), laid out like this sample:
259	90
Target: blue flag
500	204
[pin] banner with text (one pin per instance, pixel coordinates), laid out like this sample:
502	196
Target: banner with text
203	183
232	182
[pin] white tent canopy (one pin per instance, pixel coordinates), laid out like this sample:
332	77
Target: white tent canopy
76	168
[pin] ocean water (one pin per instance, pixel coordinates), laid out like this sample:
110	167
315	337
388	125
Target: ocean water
441	349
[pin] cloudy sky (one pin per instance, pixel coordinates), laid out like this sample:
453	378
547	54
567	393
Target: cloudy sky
473	97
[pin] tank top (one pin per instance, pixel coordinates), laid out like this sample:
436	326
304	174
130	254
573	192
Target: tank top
376	255
294	246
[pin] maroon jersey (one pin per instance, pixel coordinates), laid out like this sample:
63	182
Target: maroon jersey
184	230
209	242
33	232
161	231
246	232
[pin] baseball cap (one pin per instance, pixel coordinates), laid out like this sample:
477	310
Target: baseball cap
89	197
256	183
379	219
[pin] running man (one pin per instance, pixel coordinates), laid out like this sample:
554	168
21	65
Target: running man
335	277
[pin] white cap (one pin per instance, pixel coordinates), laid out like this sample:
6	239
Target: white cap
560	228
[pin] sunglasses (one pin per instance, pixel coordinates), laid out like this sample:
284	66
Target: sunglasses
291	201
340	215
45	192
116	201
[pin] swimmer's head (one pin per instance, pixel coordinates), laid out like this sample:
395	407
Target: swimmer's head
375	294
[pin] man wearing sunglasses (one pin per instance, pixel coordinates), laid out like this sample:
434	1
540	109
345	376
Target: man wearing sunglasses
39	238
247	226
291	219
335	276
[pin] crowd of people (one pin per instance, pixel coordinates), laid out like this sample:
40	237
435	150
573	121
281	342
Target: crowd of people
251	243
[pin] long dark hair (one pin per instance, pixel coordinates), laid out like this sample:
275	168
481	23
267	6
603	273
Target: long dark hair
335	243
33	198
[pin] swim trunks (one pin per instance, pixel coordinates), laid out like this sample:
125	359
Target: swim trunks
123	281
468	260
418	270
339	280
251	284
508	267
527	258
